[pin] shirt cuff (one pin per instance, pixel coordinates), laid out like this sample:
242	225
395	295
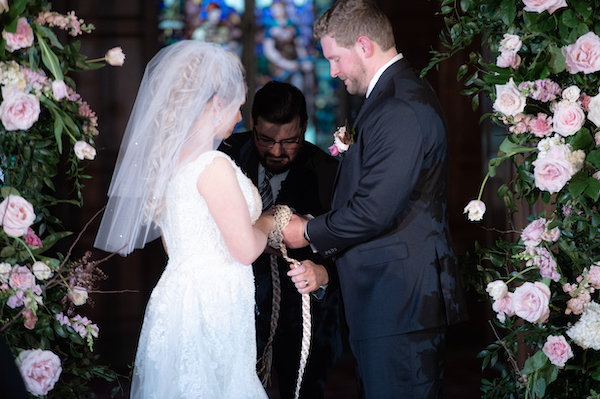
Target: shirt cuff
320	293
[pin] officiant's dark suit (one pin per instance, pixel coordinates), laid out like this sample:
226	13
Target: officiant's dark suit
388	227
307	188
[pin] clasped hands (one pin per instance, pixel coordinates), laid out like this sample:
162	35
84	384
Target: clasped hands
309	276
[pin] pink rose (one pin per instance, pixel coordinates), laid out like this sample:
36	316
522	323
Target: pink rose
558	350
16	215
509	100
504	307
59	89
594	276
511	43
530	302
40	370
32	239
333	150
21	278
578	304
19	111
532	234
22	39
541	126
594	112
568	118
584	54
540	6
553	171
508	59
30	319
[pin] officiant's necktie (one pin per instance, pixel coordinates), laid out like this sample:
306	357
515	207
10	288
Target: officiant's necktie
265	191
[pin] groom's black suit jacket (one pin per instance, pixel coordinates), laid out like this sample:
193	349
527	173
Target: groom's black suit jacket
388	228
307	188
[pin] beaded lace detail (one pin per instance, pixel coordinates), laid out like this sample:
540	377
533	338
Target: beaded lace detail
198	336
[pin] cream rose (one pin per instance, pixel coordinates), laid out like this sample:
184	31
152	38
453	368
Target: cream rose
16	215
41	270
78	295
571	93
540	6
115	56
18	111
84	151
510	43
530	302
4	6
509	100
40	370
5	269
552	172
568	118
22	39
497	289
584	54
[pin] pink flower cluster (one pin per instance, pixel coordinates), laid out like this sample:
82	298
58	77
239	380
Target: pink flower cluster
530	301
544	261
537	231
68	22
32	239
509	47
90	126
22	285
543	90
581	292
82	325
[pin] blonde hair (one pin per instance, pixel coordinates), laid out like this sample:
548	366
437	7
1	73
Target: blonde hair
347	20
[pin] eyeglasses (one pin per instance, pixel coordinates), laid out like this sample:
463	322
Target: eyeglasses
267	142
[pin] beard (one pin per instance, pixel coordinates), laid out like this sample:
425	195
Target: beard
277	165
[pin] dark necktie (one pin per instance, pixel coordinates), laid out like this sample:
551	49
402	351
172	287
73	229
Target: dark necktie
265	191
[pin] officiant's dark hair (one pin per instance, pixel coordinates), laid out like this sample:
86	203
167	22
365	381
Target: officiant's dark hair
279	103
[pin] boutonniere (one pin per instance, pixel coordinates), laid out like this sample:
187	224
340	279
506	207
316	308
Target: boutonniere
343	138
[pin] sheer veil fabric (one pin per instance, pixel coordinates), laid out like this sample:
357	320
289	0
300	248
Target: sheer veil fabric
187	101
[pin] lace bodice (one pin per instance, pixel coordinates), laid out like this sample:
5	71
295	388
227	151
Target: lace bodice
198	336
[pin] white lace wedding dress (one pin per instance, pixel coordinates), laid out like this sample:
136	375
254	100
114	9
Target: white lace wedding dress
198	336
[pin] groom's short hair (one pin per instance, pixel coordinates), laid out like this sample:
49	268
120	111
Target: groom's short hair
279	103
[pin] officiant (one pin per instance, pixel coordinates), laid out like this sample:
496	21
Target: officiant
291	171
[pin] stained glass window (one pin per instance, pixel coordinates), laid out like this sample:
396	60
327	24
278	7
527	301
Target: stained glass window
280	34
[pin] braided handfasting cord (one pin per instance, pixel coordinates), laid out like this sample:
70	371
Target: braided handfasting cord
282	217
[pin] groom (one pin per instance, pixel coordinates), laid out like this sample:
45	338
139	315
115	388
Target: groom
297	173
388	227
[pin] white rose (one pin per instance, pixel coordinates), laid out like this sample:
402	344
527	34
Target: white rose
571	93
115	56
545	144
576	158
509	100
5	269
4	6
84	151
78	295
41	270
510	43
475	209
497	289
594	106
568	118
59	89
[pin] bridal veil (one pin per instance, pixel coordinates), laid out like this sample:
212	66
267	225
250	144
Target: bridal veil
189	95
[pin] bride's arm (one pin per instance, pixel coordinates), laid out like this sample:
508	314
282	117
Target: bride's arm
219	186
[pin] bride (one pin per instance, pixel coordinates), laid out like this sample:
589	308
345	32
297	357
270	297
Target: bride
198	338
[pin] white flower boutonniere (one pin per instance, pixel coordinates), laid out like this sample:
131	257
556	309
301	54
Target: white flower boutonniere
343	137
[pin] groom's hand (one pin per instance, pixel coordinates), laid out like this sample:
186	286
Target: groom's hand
293	234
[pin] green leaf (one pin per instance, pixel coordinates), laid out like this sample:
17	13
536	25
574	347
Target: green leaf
49	59
7	252
557	62
8	190
47	32
509	147
508	11
578	183
594	158
593	188
462	71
